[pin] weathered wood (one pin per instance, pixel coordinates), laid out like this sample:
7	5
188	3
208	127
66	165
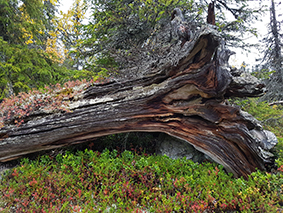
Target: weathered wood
275	103
185	99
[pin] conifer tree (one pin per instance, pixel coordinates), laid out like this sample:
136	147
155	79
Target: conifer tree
70	29
123	24
26	57
273	58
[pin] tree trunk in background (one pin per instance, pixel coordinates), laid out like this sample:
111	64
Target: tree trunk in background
277	44
185	99
273	60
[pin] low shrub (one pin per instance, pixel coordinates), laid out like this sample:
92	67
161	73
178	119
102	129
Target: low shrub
89	181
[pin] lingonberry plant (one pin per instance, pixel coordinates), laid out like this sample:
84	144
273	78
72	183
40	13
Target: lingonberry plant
89	181
127	181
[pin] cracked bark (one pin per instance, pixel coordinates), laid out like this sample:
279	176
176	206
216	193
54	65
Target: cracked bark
185	100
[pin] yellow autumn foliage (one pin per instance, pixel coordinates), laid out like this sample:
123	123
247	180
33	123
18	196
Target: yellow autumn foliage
69	22
54	51
53	2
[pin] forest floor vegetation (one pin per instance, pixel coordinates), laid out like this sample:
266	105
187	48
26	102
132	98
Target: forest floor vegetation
115	180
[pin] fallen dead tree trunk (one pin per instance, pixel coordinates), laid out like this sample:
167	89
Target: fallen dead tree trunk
184	98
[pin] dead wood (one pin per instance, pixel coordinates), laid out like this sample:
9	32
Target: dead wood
180	92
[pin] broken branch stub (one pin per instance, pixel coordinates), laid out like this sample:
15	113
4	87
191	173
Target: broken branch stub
181	93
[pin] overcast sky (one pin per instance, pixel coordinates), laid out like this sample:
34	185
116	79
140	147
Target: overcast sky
255	53
235	60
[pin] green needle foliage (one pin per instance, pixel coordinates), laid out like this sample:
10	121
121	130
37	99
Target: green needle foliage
25	68
119	25
26	60
29	35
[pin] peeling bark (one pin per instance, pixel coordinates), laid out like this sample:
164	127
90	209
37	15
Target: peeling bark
185	99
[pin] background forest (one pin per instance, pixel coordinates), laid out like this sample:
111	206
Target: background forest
41	46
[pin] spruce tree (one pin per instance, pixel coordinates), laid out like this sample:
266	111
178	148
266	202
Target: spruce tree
26	57
273	59
119	25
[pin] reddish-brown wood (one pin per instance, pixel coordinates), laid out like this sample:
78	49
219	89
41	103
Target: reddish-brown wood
185	99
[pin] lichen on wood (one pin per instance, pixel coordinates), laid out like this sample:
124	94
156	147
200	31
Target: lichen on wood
169	86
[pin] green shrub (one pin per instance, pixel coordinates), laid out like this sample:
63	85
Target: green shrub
91	181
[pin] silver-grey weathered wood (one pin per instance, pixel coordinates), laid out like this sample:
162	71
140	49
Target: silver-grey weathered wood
184	98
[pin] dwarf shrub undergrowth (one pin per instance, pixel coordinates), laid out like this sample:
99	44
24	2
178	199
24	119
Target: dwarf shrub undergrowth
90	181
